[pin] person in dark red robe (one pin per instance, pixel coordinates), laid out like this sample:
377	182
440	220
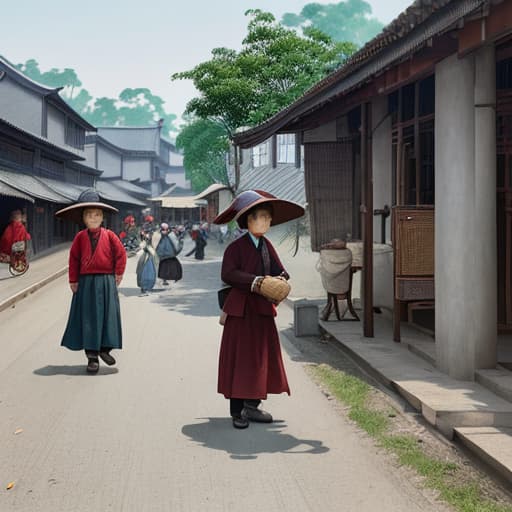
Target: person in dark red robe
14	232
250	361
97	261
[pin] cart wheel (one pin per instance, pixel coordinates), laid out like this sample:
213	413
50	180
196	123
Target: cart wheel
19	270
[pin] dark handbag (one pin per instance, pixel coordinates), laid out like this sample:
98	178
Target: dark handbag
222	295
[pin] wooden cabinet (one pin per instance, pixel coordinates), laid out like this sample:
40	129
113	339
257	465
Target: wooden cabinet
413	242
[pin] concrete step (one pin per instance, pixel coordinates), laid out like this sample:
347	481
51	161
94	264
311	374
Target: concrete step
499	381
491	444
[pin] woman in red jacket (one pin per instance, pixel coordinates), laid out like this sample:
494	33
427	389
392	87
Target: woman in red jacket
250	362
97	261
14	232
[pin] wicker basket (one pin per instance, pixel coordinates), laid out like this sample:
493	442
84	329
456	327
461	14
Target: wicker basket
275	289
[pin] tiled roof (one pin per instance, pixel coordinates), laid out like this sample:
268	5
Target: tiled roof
131	187
409	32
68	190
6	190
285	181
32	186
110	192
133	139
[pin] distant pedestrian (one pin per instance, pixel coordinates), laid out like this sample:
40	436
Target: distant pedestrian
169	246
97	261
199	243
147	266
250	362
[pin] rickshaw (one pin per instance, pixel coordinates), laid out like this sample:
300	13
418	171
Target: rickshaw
18	259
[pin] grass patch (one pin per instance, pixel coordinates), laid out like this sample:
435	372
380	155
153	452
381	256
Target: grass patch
439	475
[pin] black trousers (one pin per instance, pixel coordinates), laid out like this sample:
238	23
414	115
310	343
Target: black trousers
237	404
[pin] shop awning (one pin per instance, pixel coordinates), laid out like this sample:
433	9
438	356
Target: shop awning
69	190
6	190
180	201
32	186
215	187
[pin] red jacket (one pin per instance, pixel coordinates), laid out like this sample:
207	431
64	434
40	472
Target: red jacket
108	258
14	232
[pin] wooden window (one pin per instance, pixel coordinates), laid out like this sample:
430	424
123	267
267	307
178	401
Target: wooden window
286	148
75	135
260	155
412	113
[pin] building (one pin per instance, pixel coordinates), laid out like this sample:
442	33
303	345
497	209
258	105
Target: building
139	155
41	142
420	120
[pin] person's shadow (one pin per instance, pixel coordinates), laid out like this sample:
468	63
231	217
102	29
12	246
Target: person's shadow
78	370
219	434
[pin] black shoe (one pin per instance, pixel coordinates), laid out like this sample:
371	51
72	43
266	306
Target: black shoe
93	365
107	358
165	283
239	421
252	413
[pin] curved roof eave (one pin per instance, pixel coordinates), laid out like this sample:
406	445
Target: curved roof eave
399	39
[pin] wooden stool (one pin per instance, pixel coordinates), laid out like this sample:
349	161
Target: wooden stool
332	303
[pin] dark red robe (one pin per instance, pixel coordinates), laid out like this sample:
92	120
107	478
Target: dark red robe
250	361
14	232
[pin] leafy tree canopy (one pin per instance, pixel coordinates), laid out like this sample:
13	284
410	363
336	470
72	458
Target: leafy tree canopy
344	21
134	107
275	66
204	144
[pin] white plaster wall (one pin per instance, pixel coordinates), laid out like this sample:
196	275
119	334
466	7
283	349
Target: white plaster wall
109	162
382	172
225	198
90	155
20	107
56	126
136	168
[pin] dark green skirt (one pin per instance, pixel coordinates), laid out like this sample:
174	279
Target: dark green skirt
95	317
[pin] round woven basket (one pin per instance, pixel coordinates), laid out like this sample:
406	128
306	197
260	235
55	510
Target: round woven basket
275	289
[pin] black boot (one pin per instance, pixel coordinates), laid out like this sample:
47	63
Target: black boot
106	357
93	365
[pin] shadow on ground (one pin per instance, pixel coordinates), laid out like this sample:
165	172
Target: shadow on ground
78	370
247	444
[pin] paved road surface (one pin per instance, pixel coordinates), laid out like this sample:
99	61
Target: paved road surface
152	434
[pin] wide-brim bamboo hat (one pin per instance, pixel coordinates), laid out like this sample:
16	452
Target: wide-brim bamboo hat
87	199
282	210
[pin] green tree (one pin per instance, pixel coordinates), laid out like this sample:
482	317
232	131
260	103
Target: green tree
134	107
274	67
204	144
344	21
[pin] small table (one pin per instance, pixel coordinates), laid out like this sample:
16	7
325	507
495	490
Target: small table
332	301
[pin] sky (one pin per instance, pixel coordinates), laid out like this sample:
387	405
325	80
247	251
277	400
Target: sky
115	44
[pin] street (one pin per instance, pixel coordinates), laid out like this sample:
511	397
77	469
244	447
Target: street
152	434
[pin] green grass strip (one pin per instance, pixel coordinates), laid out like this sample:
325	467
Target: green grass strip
438	475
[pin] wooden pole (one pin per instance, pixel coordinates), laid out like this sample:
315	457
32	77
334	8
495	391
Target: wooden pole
367	211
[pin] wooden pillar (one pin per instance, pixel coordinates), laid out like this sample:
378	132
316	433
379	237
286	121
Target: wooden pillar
367	211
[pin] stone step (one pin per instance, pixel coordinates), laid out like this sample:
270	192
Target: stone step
498	381
491	444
